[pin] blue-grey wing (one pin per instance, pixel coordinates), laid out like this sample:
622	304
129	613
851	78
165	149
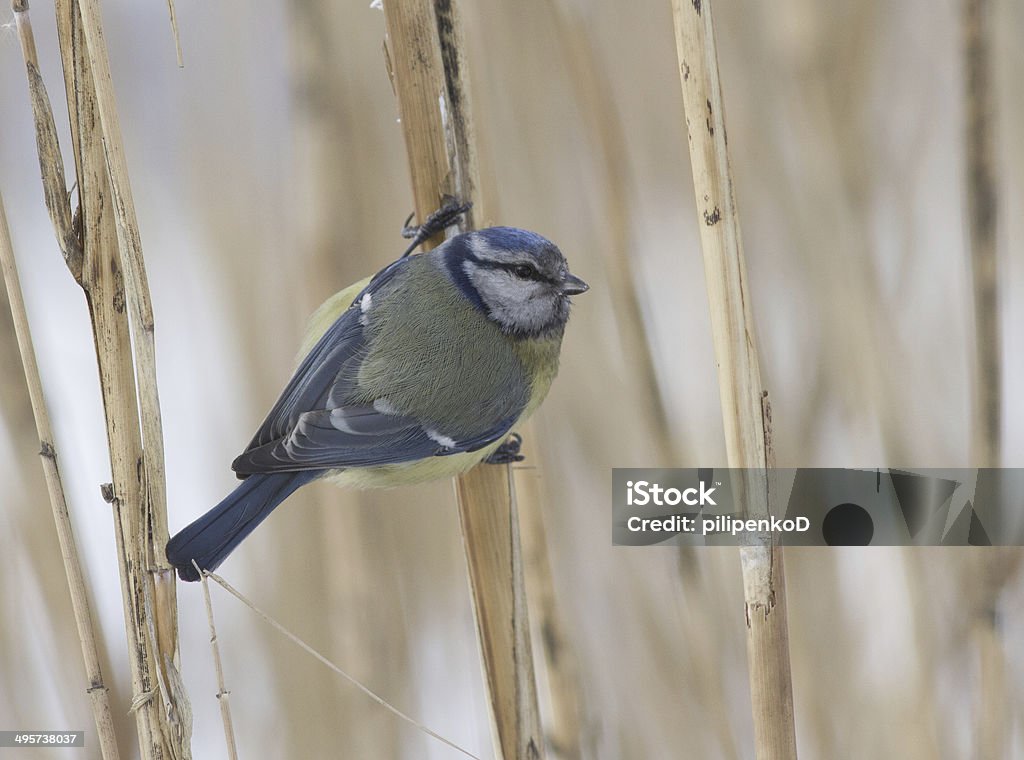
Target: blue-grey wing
322	369
358	436
310	428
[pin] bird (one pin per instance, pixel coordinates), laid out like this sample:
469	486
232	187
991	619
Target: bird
417	373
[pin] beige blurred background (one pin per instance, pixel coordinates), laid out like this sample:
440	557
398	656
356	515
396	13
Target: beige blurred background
270	171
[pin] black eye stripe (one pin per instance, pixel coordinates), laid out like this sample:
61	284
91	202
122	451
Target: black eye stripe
511	268
531	273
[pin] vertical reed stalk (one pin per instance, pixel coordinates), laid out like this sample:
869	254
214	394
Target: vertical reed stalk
561	663
425	53
745	409
982	217
992	567
105	258
97	690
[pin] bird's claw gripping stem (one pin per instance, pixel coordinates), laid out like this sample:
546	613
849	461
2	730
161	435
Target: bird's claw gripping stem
507	452
449	213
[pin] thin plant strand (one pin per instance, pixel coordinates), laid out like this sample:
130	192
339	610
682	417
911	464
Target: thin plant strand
366	690
222	692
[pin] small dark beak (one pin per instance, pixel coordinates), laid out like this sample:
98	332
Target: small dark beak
573	285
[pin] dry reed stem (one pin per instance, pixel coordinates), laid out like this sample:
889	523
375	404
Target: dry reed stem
745	409
153	518
428	71
994	711
490	530
173	13
54	190
561	664
222	692
112	273
982	207
993	566
97	690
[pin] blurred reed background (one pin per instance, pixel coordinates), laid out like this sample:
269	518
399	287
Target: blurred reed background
270	171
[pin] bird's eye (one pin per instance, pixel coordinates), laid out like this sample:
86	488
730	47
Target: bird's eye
525	272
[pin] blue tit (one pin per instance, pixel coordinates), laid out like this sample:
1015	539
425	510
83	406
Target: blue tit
417	373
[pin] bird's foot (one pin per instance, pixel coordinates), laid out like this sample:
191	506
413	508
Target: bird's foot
449	213
508	452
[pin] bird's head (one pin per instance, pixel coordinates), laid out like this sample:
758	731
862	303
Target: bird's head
517	278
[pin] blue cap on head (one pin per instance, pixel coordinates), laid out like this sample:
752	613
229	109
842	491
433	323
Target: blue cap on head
513	239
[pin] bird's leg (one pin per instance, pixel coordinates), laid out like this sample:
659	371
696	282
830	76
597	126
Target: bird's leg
508	452
440	220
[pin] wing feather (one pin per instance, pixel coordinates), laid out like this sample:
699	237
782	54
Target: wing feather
322	368
318	443
311	428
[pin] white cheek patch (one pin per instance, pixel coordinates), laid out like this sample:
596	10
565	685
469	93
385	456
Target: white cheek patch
365	304
448	443
514	303
497	286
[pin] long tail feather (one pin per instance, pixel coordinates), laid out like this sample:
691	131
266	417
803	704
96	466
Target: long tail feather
211	538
